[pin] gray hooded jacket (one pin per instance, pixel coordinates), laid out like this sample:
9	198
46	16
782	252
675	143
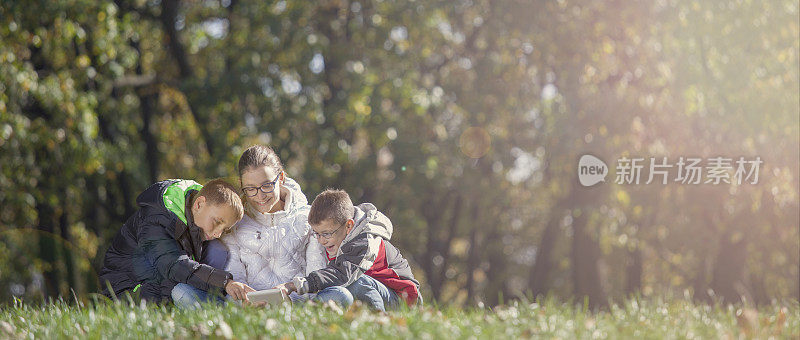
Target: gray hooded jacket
358	253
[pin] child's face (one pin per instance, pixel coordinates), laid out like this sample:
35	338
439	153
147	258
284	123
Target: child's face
213	219
330	235
257	180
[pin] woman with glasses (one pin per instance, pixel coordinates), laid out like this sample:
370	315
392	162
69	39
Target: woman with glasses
272	243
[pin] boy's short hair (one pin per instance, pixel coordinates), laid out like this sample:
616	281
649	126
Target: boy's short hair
218	191
331	204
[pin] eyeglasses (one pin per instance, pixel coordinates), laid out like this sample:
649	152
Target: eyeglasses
327	235
265	188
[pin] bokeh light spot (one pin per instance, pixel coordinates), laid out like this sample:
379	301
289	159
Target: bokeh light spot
475	142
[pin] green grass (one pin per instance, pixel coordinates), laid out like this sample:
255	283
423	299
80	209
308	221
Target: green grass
635	318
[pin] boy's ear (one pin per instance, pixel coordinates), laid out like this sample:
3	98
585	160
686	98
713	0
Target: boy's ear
199	202
350	225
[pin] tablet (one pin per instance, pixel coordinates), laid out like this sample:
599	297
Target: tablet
271	296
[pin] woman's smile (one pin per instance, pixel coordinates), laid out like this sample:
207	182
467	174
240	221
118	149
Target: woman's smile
263	202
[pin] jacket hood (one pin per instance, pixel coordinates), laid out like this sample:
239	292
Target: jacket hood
295	199
169	195
370	221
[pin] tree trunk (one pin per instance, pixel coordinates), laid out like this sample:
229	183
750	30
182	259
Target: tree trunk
633	271
47	249
70	258
169	17
584	258
729	269
539	277
447	243
472	258
147	99
433	271
496	291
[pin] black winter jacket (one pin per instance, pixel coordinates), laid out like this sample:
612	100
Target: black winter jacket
158	248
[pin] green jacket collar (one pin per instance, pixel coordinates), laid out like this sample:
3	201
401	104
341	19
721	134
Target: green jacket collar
176	195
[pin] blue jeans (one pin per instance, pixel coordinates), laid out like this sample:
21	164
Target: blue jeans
366	289
187	296
215	255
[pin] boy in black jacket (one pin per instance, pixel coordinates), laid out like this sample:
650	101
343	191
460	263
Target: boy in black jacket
156	252
362	264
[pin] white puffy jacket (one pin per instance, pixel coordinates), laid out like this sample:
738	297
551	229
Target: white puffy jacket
269	249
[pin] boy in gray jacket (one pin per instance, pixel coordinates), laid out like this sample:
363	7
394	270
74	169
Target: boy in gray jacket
362	264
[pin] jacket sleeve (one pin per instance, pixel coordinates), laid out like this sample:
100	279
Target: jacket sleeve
398	263
235	265
357	257
172	262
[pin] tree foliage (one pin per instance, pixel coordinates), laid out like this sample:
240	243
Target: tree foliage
462	120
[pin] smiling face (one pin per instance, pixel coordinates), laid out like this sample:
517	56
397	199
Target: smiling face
213	219
261	177
337	233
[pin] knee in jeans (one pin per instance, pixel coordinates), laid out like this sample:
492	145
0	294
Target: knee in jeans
336	294
183	294
361	286
216	254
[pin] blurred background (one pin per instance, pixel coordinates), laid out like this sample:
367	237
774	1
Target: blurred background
462	120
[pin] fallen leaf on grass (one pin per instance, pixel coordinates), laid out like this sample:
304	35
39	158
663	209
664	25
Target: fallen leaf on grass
747	319
7	327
